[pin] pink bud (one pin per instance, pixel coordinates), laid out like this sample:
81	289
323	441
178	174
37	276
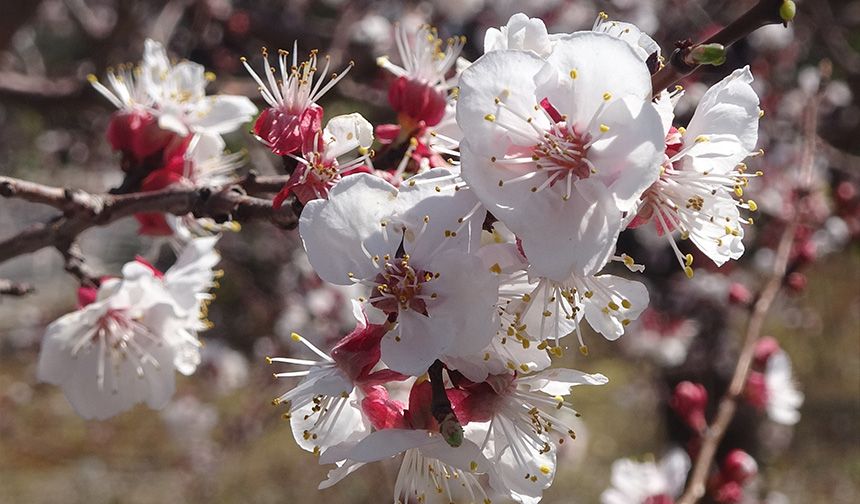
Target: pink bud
689	401
796	282
659	499
756	390
764	348
739	467
729	493
739	294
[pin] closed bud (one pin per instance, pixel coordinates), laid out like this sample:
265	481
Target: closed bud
689	401
739	466
787	11
708	54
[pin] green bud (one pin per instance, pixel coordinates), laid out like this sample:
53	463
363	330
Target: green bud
708	54
787	10
451	430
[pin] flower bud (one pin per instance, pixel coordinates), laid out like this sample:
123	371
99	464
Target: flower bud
689	401
739	467
708	54
756	390
739	294
729	493
787	11
796	281
764	348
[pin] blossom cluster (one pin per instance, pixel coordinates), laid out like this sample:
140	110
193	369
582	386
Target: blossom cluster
481	229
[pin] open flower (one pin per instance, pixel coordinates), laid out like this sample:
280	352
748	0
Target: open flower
123	347
703	176
410	248
525	418
318	168
521	32
559	149
648	482
293	114
174	95
419	93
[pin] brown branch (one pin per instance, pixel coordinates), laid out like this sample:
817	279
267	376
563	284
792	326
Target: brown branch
763	13
728	403
84	210
10	288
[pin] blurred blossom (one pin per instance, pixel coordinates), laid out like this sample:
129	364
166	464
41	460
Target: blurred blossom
190	424
661	337
648	482
228	368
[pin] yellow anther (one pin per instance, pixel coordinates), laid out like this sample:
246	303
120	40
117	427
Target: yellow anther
524	368
490	117
604	128
612	306
583	350
702	139
739	191
295	337
753	206
626	303
495	268
545	469
688	271
92	78
607	96
688	260
473	466
573	74
210	76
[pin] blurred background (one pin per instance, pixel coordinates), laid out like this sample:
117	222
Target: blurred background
221	441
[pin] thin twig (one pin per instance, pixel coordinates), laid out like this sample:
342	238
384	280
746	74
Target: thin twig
765	12
10	288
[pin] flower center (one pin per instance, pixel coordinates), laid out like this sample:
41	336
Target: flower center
399	287
564	151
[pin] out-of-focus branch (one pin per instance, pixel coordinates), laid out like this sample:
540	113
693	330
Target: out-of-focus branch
75	264
728	403
680	64
84	210
38	85
10	288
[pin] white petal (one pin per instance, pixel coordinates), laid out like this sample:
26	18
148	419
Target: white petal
589	54
223	113
345	133
730	106
417	341
608	321
334	230
628	156
563	237
387	443
508	75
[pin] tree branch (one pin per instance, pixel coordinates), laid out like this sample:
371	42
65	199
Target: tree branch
82	210
728	403
763	13
10	288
